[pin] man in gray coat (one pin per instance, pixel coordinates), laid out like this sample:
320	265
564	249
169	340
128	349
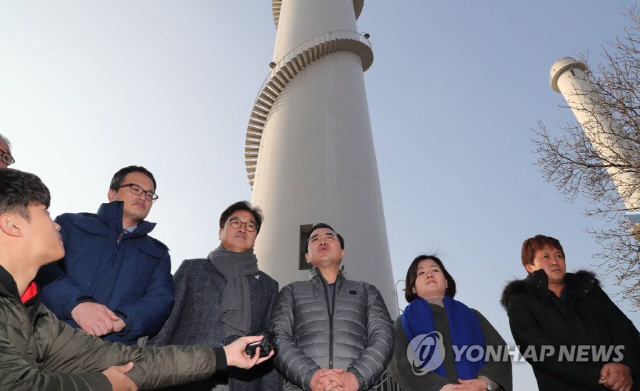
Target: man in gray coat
334	333
40	352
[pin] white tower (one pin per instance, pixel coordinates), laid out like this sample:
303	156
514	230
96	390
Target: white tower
309	148
569	77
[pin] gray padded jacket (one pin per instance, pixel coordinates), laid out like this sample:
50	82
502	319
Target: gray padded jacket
353	331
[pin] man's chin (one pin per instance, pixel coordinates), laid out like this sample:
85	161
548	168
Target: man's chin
138	217
56	257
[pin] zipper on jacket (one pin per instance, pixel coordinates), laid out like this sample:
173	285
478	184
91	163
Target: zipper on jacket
330	309
114	255
28	327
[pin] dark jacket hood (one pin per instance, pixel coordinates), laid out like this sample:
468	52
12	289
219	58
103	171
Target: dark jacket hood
578	284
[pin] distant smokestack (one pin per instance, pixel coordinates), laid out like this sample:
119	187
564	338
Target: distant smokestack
569	77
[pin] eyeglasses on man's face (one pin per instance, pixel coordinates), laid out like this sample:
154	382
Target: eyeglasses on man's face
137	190
236	224
6	158
327	237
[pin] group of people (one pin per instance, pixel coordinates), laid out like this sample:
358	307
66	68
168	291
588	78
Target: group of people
88	302
565	325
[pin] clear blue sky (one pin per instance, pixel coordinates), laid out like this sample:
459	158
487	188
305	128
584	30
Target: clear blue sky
454	92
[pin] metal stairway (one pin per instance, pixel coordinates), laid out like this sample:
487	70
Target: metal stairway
285	70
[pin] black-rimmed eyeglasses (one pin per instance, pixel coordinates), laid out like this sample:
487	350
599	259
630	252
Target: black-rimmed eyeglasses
236	223
6	158
137	190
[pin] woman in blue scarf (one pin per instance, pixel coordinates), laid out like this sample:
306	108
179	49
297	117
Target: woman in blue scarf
441	344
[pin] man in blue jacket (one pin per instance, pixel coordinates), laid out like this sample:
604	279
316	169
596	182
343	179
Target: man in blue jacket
39	352
115	280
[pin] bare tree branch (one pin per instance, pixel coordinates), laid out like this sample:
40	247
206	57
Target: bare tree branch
576	167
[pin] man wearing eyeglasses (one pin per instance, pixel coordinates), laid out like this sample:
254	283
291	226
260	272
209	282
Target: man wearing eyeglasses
115	280
222	297
6	159
39	352
334	333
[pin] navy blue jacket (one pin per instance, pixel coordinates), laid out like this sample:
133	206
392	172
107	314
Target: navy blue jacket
130	274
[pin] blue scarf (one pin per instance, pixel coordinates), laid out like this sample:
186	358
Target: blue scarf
464	328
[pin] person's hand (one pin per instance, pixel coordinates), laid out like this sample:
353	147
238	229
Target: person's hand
326	379
470	385
118	325
616	377
350	381
94	318
237	357
118	378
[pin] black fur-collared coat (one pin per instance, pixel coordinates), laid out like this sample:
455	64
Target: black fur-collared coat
564	335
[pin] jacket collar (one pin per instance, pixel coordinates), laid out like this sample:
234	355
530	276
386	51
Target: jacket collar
9	288
578	284
8	285
316	275
111	214
539	279
581	281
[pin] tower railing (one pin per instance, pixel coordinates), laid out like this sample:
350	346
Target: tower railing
285	70
326	37
276	6
386	383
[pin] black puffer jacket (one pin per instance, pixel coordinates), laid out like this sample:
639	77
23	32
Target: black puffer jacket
354	332
584	316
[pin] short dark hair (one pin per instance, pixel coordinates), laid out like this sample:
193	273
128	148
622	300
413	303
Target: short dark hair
412	275
538	242
118	177
324	225
242	205
20	189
